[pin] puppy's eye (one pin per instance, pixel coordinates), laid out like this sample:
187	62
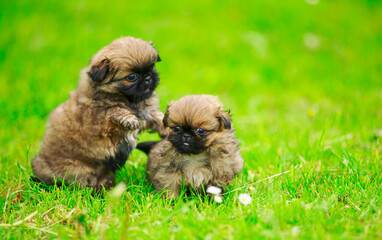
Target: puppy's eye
132	77
200	131
176	129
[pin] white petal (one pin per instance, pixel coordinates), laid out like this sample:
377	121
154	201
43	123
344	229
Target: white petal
213	190
245	199
218	199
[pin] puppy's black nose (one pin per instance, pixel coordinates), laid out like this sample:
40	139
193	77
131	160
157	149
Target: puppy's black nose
148	80
186	137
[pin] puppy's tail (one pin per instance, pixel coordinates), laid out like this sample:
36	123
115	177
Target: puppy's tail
146	146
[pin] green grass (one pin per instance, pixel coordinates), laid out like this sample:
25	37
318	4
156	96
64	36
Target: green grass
253	56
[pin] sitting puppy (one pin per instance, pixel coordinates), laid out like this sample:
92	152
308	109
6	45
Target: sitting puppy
90	136
201	150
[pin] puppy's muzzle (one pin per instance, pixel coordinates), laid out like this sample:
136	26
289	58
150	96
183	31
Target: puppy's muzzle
186	139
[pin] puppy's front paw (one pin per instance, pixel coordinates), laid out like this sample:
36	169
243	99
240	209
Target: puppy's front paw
130	122
107	182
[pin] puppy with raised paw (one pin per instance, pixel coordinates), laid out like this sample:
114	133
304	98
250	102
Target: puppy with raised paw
200	151
90	136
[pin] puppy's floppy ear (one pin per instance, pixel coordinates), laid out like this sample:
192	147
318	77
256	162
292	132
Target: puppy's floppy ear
99	70
224	119
165	118
158	58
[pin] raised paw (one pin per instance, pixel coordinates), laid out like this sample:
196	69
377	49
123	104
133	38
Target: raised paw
130	122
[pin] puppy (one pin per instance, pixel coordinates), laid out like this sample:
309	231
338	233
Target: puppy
90	136
200	151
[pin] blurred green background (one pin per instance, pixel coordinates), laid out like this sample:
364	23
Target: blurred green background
268	61
293	73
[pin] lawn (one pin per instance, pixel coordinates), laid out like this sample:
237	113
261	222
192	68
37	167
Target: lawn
303	82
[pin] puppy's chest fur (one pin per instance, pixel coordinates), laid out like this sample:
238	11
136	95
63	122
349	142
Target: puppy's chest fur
195	169
122	151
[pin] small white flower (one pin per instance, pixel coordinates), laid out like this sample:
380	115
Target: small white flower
213	190
245	199
218	199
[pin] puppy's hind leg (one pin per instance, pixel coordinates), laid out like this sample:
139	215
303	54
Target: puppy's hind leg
42	171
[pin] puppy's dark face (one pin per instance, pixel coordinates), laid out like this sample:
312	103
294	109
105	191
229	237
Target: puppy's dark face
139	84
189	140
126	67
195	122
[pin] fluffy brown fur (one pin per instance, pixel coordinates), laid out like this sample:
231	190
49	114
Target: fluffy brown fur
197	158
90	136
